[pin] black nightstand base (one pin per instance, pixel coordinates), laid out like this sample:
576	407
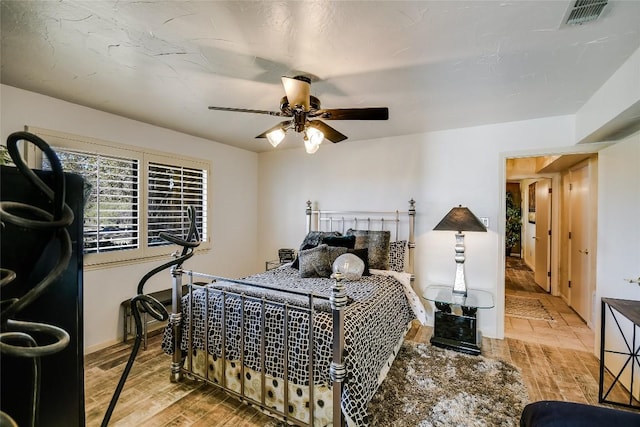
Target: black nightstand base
460	346
455	332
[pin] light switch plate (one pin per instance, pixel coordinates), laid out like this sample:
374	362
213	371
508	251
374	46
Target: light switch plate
485	221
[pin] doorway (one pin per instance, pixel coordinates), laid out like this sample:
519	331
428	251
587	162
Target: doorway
540	278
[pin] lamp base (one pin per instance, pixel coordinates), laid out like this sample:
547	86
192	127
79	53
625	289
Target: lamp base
460	284
460	290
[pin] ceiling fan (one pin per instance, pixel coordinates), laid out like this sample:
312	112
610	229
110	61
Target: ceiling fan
305	113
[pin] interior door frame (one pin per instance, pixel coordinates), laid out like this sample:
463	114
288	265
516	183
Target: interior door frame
502	188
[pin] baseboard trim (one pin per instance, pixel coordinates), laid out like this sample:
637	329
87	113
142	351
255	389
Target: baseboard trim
101	346
158	329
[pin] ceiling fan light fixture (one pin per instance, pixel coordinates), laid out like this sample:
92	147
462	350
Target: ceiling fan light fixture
312	139
276	136
310	146
305	114
314	135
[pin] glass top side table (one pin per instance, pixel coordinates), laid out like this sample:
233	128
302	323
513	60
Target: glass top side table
455	331
443	294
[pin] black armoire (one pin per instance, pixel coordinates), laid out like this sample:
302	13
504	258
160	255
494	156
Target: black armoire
31	256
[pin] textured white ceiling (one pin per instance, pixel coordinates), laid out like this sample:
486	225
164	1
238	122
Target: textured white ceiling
435	64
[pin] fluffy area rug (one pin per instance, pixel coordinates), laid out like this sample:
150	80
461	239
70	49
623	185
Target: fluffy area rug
525	308
429	386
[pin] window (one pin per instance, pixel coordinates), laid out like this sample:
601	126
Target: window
132	195
111	199
171	190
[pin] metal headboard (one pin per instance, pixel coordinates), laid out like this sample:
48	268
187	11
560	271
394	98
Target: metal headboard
328	220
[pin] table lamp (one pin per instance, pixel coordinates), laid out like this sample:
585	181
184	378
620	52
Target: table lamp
460	219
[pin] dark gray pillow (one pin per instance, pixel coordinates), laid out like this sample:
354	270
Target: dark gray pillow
314	238
378	244
318	261
343	241
335	252
296	263
313	261
363	254
311	240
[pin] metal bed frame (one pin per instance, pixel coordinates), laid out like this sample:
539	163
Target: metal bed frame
338	302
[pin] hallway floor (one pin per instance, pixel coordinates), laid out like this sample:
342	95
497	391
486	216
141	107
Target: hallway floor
566	330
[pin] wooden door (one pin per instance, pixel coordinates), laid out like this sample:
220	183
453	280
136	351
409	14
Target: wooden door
543	234
579	243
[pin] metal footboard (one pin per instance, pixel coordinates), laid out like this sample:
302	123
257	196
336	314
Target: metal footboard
181	366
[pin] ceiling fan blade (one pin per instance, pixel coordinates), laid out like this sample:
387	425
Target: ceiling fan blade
282	125
329	133
245	110
297	91
373	113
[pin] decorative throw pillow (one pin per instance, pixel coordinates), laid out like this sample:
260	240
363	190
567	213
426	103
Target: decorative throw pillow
363	254
314	262
318	261
334	252
350	265
396	255
296	262
377	242
311	240
342	241
314	238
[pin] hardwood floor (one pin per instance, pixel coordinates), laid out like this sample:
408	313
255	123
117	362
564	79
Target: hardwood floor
555	356
566	330
555	359
150	399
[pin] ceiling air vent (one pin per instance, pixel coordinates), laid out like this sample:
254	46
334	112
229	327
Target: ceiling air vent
584	11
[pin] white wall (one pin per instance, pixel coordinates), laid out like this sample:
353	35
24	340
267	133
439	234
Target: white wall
618	240
233	190
439	170
620	92
618	213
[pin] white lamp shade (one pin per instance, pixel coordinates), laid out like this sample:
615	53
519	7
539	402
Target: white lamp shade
314	135
310	147
275	137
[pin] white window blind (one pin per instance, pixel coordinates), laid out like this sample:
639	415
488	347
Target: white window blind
111	199
171	190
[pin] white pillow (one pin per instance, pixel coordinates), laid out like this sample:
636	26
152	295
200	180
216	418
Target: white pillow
350	265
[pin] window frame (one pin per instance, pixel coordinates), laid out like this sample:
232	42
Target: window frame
144	156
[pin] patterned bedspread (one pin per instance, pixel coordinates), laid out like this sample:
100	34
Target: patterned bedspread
375	320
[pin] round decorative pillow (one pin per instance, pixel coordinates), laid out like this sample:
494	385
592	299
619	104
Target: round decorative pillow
349	265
